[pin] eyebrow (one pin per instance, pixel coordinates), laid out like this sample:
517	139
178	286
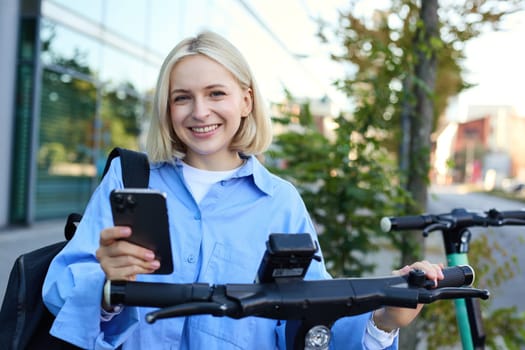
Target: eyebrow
177	91
209	87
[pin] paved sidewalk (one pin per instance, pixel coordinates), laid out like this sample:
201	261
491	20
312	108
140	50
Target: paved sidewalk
18	240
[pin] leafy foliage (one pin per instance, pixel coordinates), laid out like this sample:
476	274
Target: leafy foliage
505	324
348	183
402	69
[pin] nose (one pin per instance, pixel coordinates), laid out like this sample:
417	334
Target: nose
200	109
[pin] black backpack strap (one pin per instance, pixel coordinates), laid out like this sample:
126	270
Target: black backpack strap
135	174
72	222
135	167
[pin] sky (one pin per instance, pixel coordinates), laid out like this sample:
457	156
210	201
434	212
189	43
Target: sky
494	61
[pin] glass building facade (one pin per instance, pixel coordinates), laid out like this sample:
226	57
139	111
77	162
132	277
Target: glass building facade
84	81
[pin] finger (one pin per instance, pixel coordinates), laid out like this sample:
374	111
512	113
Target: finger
119	248
128	260
402	271
111	234
433	272
118	260
126	268
127	273
112	244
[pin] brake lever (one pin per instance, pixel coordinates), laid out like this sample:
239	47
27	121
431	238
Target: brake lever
428	296
194	308
227	308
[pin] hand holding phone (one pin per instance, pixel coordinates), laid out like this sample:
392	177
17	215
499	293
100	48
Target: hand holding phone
145	212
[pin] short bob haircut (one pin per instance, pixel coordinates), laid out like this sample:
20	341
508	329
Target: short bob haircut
255	132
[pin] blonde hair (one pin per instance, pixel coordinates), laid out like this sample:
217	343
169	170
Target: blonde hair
255	132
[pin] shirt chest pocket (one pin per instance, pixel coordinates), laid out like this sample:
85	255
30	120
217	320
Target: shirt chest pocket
231	264
218	333
228	265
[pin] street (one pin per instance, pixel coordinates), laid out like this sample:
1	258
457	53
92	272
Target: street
20	240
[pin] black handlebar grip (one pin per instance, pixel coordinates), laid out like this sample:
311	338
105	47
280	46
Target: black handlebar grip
154	294
513	214
457	276
405	222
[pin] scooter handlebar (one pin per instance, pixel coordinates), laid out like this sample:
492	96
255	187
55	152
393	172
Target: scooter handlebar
293	300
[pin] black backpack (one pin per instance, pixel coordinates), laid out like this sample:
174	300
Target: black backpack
24	319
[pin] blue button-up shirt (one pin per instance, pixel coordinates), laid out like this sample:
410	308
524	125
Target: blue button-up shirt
220	240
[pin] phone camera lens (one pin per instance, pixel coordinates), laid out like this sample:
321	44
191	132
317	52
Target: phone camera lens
119	199
130	201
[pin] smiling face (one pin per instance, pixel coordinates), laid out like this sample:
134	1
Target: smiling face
206	105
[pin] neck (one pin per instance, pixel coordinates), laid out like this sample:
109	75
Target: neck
214	163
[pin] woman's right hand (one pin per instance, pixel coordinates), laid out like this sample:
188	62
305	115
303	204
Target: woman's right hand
122	260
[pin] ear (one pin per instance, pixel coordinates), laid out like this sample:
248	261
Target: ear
247	102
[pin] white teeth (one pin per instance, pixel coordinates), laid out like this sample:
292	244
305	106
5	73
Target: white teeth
205	128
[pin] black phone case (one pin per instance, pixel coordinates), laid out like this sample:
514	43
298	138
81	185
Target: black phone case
145	211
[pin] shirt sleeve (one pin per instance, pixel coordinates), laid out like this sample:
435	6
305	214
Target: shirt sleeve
377	339
108	315
73	286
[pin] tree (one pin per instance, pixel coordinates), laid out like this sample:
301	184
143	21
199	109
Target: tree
407	64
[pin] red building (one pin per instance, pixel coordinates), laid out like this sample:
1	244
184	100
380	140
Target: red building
489	147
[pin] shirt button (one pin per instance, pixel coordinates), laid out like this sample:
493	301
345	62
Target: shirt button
190	258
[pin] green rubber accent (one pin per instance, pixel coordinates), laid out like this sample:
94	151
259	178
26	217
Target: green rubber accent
461	308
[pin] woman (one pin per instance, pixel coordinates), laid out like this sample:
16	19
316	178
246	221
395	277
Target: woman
209	126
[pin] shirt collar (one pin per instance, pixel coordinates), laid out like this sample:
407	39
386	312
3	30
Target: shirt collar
262	178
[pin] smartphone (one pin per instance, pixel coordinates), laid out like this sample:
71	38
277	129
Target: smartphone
145	211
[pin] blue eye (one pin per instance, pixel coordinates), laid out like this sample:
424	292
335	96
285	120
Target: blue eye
180	98
217	93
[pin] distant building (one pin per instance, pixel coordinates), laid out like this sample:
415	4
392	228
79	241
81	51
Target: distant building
487	148
78	78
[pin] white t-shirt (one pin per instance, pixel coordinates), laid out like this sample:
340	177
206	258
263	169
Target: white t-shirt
200	180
